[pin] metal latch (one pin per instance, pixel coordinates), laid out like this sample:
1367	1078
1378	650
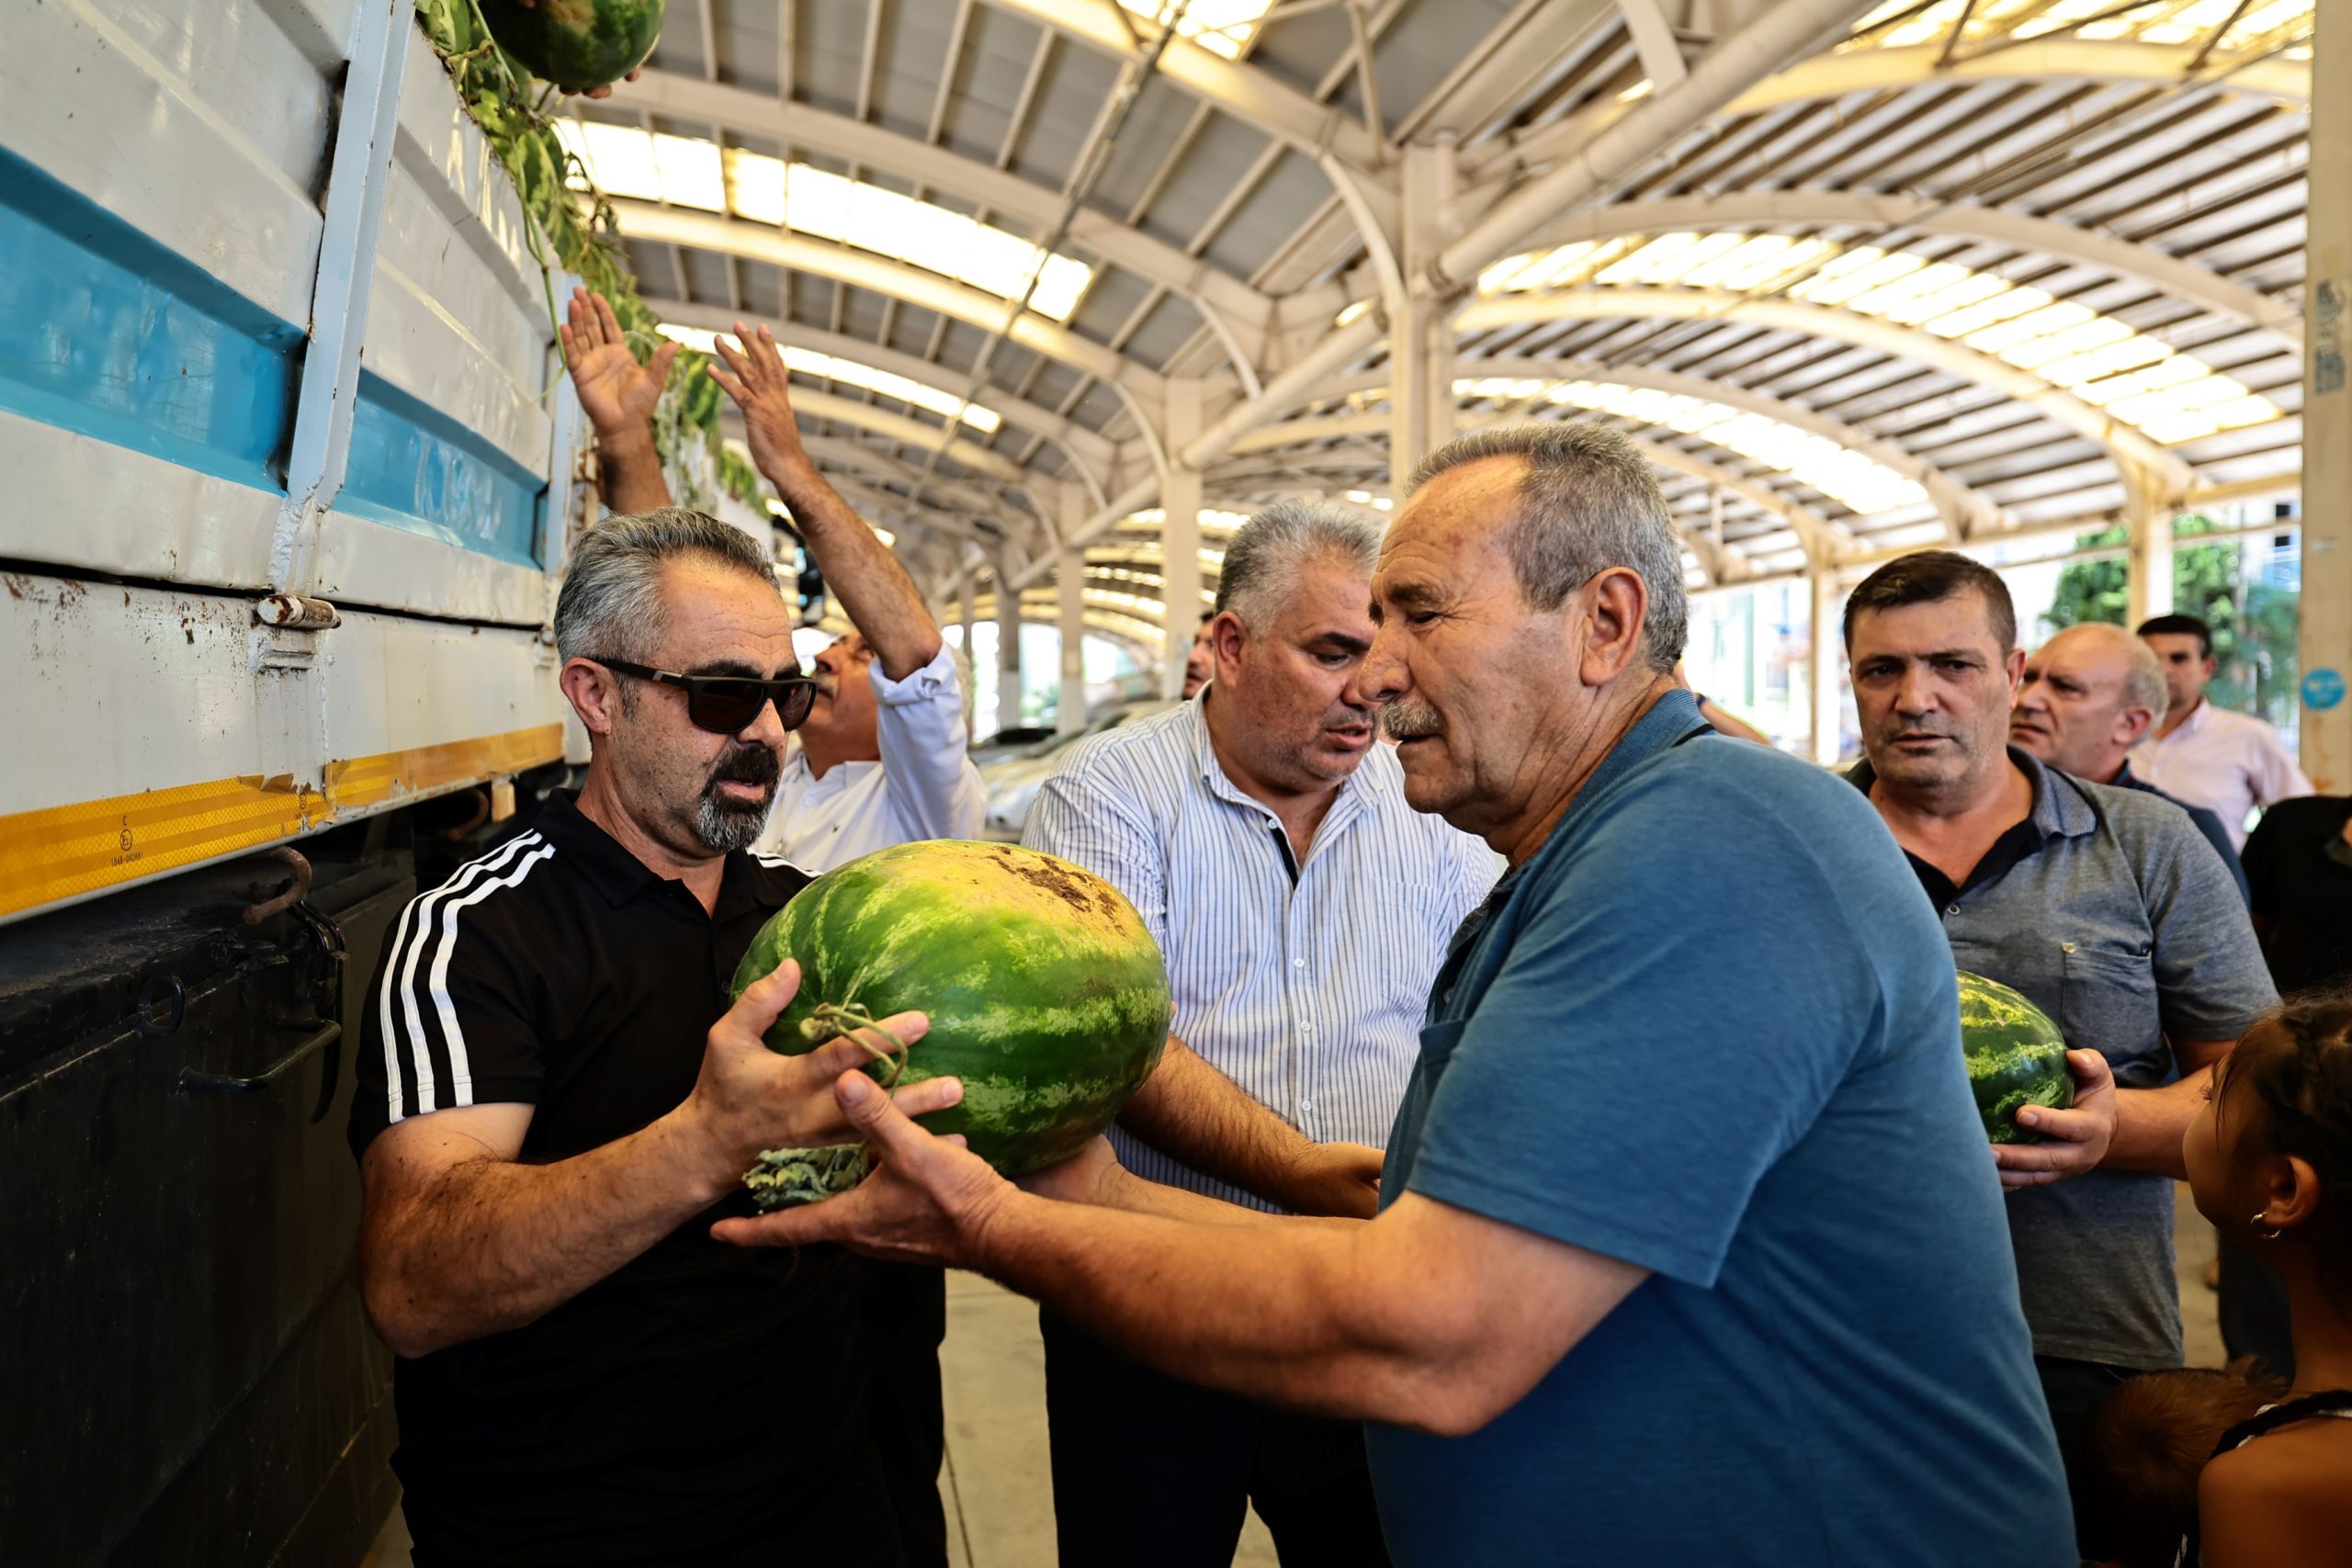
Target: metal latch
296	612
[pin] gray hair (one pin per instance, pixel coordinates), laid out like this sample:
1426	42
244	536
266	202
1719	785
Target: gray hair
1588	502
1262	563
611	603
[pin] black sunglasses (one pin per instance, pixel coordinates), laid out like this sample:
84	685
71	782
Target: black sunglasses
727	705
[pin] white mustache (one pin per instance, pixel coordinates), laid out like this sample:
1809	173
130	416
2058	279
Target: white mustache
1407	721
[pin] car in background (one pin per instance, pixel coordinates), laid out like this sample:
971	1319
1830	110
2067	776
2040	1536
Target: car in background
1017	741
1012	779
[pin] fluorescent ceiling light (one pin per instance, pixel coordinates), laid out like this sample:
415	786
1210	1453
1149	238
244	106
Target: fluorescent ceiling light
685	171
1221	26
849	373
1365	498
2170	396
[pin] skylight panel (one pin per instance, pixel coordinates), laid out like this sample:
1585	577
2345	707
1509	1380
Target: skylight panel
849	373
2099	358
1858	483
1221	26
686	171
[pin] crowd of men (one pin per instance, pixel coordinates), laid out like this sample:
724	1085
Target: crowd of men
1561	1153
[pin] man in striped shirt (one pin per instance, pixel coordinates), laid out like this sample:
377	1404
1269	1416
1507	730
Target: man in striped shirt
1303	907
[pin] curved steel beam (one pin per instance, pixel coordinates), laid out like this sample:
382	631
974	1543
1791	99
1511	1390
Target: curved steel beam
2040	59
2131	450
855	141
2202	286
1248	95
1964	511
1139	384
1882	69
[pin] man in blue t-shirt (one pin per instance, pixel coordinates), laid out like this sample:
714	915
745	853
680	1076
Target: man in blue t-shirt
1690	1250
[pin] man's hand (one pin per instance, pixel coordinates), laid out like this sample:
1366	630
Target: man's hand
616	391
2077	1140
755	377
749	1098
929	1200
1339	1180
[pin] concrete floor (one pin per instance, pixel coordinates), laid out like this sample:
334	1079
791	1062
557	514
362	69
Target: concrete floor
998	1487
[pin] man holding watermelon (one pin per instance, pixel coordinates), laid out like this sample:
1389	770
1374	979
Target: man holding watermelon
556	1099
1690	1250
2108	911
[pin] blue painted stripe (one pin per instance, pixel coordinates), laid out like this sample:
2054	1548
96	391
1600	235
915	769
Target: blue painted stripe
414	467
108	333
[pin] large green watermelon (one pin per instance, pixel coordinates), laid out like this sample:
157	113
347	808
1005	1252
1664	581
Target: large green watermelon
2015	1058
1047	995
577	44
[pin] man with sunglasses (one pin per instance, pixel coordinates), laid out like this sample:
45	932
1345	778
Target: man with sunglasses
882	758
557	1101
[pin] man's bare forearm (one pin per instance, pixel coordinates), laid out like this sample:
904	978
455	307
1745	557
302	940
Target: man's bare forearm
491	1245
1190	1112
628	472
2150	1123
880	599
1272	1306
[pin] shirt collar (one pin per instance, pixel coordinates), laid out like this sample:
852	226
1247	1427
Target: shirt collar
611	869
2060	808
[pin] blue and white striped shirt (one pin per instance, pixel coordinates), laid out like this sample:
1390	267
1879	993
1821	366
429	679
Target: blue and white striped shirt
1307	994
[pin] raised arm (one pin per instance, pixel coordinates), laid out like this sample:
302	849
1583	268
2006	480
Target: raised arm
875	590
617	394
459	1239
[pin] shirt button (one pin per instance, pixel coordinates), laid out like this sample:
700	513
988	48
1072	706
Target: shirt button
1952	908
1298	963
1307	1105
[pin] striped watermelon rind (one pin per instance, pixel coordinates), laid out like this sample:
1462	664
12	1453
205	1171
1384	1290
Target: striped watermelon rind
2017	1058
1045	992
577	44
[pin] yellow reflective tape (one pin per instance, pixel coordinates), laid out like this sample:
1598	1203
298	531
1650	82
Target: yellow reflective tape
62	851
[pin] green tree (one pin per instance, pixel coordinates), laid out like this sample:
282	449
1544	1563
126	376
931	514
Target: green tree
2254	622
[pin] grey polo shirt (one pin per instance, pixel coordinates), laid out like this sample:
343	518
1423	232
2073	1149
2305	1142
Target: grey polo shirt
2111	912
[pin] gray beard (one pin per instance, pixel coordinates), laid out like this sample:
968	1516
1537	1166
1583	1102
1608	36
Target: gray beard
727	829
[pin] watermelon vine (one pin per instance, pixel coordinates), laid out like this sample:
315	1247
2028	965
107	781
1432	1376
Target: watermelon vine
575	230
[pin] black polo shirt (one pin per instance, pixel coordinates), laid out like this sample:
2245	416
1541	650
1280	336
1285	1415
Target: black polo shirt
699	1405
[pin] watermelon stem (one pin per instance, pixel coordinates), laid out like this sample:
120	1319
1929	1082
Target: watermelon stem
833	1020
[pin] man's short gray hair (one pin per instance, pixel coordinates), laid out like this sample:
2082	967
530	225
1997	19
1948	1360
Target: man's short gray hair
2143	672
1267	553
1588	502
611	603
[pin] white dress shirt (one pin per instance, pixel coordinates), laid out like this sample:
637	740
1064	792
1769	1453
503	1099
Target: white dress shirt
1307	989
2227	762
924	786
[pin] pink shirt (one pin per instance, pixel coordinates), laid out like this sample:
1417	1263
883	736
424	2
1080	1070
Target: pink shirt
2227	762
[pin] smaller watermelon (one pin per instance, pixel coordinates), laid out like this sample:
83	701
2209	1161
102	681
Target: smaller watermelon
2015	1058
576	44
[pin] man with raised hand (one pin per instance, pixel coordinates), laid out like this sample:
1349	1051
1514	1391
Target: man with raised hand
556	1099
2107	911
1690	1249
